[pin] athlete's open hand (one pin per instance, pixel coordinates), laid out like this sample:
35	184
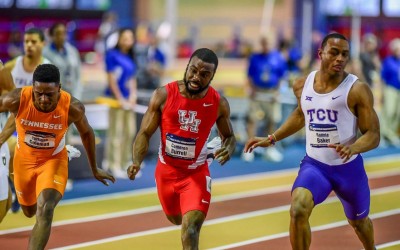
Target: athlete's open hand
255	142
222	155
345	152
132	171
102	176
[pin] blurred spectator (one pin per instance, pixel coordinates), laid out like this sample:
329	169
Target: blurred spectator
185	49
157	61
295	67
292	55
15	45
149	59
66	57
235	44
266	70
109	25
22	68
370	67
121	71
391	92
220	49
370	61
312	58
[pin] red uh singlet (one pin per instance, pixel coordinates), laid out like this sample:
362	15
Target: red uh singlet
185	127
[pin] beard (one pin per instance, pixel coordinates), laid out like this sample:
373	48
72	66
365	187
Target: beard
195	91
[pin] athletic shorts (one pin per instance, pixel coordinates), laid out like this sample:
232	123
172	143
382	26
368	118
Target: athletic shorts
349	181
4	164
183	190
33	174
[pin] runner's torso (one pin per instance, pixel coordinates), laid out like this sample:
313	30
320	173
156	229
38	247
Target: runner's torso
185	127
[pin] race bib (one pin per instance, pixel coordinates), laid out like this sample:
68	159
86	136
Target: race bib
180	147
323	134
40	140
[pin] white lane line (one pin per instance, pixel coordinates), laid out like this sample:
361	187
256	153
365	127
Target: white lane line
88	219
240	195
313	229
235	179
242	216
388	244
221	198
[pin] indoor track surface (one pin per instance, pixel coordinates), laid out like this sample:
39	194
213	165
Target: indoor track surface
249	210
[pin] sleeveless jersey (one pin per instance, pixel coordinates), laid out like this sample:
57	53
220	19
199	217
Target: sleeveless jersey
20	76
39	133
185	127
328	120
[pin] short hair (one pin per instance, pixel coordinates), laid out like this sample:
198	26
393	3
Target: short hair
35	31
206	55
54	27
47	73
332	35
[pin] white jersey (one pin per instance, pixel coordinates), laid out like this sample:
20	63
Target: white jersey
328	120
4	161
20	76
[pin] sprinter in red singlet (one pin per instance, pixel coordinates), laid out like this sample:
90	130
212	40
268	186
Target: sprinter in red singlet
186	112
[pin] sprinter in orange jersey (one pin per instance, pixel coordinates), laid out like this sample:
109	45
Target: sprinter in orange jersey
43	113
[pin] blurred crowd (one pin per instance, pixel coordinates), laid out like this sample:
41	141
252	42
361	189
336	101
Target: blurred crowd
132	62
135	61
273	68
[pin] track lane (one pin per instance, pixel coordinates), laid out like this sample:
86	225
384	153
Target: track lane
340	237
72	233
219	232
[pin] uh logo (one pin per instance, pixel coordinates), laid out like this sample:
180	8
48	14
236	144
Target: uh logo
188	120
322	115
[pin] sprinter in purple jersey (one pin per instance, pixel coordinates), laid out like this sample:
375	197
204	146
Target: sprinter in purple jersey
332	106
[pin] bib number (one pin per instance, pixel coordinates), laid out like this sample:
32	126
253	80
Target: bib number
323	134
40	140
180	147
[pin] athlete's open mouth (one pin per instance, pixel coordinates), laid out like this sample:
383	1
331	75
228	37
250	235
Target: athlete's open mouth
194	85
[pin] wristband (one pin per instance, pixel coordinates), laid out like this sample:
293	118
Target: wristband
271	139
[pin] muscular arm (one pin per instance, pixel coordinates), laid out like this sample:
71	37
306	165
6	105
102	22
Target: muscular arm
7	85
8	130
294	123
224	126
10	101
151	121
368	121
77	116
361	102
6	80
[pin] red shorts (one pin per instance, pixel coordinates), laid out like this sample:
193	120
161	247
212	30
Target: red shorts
33	174
183	190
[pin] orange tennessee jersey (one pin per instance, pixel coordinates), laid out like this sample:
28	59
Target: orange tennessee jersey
39	133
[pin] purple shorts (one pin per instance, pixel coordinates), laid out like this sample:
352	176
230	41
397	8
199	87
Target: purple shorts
349	181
